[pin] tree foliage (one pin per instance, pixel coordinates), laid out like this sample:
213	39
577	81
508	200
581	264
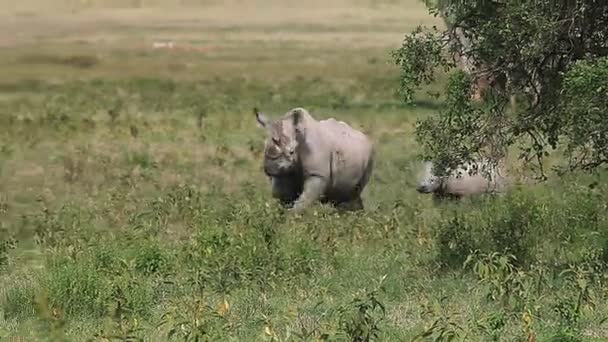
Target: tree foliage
551	55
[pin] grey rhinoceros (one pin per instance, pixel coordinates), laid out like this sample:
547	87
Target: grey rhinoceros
470	178
309	160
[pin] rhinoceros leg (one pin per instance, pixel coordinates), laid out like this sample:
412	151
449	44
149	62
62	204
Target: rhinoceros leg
314	187
352	205
356	203
286	190
440	197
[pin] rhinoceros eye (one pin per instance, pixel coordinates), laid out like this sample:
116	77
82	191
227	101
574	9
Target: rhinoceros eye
276	140
272	151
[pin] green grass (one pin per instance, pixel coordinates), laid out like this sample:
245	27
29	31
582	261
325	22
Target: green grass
133	203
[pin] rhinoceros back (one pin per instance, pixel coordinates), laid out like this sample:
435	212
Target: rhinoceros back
351	158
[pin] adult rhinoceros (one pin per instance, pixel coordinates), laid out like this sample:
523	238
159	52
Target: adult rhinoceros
309	160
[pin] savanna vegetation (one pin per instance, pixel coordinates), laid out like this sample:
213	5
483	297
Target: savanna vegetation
133	205
549	56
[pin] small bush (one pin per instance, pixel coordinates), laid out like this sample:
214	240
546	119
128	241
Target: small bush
583	113
455	241
105	258
522	224
133	294
19	299
361	319
194	319
246	243
6	244
510	227
151	260
77	288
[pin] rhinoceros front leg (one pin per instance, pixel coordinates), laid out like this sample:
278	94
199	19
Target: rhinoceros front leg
286	190
314	187
355	204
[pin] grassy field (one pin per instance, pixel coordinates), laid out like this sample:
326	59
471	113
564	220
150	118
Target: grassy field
133	202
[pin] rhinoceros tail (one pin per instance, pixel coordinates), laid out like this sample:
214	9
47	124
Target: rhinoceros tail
367	174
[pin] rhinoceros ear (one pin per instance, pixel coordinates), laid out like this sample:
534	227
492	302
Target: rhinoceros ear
297	115
261	119
298	124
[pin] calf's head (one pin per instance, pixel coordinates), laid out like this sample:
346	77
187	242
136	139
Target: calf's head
429	182
280	147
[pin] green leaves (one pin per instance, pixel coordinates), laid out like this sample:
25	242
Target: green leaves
584	113
524	49
456	133
417	58
363	323
194	320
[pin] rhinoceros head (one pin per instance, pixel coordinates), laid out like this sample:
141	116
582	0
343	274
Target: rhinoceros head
280	149
429	182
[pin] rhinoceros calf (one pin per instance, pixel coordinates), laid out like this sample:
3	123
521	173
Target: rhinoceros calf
309	160
471	178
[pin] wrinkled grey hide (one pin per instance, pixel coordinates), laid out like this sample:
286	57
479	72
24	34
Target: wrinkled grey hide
309	160
471	178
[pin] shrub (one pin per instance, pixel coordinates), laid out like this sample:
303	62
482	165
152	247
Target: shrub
77	288
19	299
5	245
132	294
455	241
531	226
583	113
361	319
511	226
151	259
